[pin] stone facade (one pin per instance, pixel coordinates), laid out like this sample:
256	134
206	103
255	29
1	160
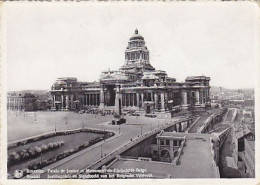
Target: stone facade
21	102
135	86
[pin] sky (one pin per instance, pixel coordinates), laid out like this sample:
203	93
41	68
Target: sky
47	41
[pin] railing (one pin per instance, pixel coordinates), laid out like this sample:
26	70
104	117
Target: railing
210	119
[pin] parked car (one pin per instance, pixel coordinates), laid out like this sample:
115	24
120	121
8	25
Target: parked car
121	121
135	114
151	115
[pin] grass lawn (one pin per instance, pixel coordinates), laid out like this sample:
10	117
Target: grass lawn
70	141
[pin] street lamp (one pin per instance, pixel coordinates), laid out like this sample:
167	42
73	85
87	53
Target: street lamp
82	124
141	130
35	117
66	118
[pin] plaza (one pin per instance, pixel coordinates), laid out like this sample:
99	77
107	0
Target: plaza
36	123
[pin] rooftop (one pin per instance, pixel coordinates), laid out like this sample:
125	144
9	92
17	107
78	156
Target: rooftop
196	160
189	78
137	36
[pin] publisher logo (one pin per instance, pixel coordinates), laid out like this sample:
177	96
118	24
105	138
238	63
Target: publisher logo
18	174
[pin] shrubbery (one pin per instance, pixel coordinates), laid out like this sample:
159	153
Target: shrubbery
67	153
31	152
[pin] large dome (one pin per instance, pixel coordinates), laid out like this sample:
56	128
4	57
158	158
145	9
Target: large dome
136	36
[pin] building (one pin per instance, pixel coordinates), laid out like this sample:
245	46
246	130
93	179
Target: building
249	159
137	85
174	155
21	101
244	151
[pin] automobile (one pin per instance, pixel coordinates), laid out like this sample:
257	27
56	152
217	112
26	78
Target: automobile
121	121
135	114
151	115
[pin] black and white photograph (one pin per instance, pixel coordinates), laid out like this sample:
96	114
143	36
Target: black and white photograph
130	90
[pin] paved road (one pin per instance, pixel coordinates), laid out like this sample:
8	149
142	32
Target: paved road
129	131
201	120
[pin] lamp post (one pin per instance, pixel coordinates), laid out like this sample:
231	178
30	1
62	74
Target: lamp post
35	117
66	118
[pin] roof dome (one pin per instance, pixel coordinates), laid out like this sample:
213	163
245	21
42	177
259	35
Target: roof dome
136	36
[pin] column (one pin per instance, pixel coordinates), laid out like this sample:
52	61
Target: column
102	99
95	99
202	97
125	99
117	99
155	100
53	103
142	99
129	99
162	101
62	102
197	98
67	102
90	99
166	100
171	150
137	99
133	96
71	100
86	99
184	97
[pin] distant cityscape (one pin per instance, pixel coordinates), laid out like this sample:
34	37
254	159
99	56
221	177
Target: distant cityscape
33	100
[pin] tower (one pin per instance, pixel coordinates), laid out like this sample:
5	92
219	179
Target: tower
137	56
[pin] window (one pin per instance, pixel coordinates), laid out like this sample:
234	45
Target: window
162	142
167	142
175	143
